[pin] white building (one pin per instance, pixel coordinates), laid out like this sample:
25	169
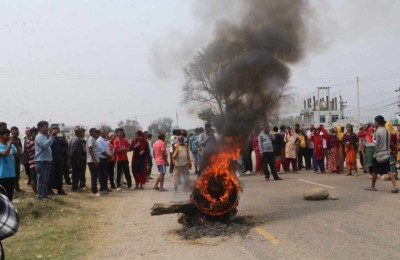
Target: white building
320	112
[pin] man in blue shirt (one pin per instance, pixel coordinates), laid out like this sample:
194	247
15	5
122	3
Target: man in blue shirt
7	161
43	157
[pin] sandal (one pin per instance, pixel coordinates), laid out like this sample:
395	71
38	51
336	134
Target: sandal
349	174
395	190
371	189
156	188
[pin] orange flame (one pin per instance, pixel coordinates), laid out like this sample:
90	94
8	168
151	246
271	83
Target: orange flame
218	182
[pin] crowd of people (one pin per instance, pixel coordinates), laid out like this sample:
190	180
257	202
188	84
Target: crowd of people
50	160
334	151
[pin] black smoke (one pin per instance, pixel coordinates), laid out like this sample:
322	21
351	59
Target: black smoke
266	37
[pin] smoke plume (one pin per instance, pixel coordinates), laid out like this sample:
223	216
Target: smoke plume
258	46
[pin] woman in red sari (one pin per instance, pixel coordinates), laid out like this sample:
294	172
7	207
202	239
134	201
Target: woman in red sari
318	160
139	159
350	141
256	149
334	158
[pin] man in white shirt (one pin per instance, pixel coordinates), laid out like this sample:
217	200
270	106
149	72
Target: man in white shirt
104	155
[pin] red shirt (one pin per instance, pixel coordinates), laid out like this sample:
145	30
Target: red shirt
121	144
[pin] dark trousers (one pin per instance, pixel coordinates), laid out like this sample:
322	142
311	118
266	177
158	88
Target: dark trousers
78	175
103	174
56	175
17	174
111	174
361	158
171	165
247	161
28	172
123	166
94	175
269	160
301	154
309	158
318	164
66	173
9	185
149	166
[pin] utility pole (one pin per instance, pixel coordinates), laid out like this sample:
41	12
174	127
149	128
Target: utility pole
358	102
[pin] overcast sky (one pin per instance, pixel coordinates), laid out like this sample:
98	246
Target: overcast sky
92	62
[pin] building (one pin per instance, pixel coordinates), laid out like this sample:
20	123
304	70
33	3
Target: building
321	112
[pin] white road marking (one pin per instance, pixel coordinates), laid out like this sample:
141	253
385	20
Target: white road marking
326	186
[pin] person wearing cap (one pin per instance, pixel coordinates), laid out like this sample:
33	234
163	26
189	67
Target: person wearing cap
7	161
93	159
25	155
30	148
77	155
104	156
43	157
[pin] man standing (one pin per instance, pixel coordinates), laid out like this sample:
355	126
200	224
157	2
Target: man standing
57	166
7	161
161	157
193	147
25	155
77	154
93	158
17	143
43	157
381	161
267	153
105	155
121	148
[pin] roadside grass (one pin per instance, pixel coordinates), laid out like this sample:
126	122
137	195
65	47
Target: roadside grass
55	228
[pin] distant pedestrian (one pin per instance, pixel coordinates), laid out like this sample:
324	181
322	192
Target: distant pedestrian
381	161
393	148
149	154
93	159
140	151
172	141
121	149
194	149
290	150
77	150
111	160
350	141
7	161
265	140
161	157
43	157
30	147
181	158
17	142
334	159
104	156
318	157
25	155
57	166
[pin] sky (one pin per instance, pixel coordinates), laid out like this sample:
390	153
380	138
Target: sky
98	62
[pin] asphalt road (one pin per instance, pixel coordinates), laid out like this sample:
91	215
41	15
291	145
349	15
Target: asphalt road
359	225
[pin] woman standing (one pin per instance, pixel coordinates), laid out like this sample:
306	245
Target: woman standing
334	158
350	141
290	150
318	137
393	148
111	161
139	160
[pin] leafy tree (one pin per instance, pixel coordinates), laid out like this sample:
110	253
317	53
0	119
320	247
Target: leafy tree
164	124
130	127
